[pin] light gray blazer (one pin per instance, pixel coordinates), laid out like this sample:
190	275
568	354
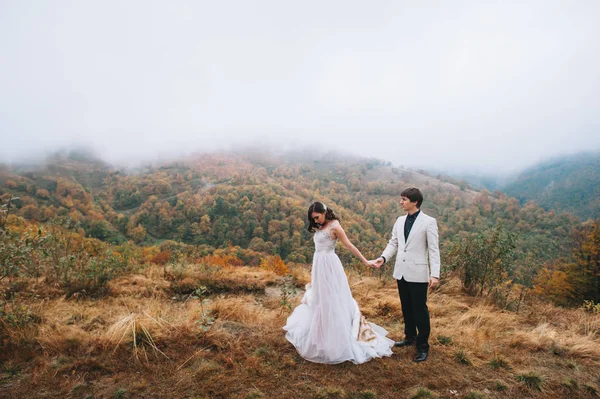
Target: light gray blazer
419	256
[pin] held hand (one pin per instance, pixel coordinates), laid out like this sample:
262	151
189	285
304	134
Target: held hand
433	282
379	262
375	263
371	263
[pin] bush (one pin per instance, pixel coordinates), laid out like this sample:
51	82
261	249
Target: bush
17	323
275	264
92	278
484	259
80	265
590	307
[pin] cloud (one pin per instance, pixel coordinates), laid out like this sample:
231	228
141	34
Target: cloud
487	86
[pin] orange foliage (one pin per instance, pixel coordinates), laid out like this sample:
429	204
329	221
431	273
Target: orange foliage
554	285
275	264
148	253
67	202
43	193
94	215
162	258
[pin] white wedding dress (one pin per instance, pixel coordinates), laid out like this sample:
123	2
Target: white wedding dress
327	327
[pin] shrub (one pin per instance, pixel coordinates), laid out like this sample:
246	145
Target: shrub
499	363
591	307
275	264
461	357
532	380
17	323
500	386
444	339
422	393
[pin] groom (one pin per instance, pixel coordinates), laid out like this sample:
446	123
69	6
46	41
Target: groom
415	241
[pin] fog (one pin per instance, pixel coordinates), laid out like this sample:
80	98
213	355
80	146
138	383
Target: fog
487	87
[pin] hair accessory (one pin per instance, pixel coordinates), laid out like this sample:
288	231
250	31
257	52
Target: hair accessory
324	206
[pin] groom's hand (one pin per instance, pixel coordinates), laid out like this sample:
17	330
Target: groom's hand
433	282
373	263
379	262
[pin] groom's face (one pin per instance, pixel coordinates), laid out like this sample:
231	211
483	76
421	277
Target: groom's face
407	205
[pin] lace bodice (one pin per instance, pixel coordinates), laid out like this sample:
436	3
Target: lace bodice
323	240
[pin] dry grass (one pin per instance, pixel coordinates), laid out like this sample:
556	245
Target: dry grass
228	343
138	286
134	329
242	310
301	275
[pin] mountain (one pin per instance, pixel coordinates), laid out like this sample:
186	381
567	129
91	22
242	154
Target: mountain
565	184
258	201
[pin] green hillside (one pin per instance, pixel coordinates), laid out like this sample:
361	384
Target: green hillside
565	184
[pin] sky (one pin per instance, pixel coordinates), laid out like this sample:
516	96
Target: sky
471	86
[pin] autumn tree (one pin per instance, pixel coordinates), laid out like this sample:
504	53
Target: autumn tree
587	259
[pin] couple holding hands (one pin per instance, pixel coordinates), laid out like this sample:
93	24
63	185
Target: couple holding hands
327	327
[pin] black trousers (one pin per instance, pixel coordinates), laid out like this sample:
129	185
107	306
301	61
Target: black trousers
413	298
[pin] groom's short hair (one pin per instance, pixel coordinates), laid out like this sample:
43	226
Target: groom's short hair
413	194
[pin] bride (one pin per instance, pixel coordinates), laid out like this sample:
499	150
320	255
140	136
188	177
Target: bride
327	327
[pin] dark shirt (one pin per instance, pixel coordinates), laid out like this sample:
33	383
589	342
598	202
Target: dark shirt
408	224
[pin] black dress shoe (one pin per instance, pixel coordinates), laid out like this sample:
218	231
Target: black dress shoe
404	342
421	356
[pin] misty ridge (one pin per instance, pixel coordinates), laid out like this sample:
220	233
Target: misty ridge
551	182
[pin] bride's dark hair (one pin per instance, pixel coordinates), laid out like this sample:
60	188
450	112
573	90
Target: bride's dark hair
319	207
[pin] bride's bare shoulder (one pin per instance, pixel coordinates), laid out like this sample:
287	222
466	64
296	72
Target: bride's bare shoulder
336	223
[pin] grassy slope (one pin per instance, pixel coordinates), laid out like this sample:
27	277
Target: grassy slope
84	348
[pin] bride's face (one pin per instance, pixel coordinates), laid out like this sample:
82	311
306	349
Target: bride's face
318	218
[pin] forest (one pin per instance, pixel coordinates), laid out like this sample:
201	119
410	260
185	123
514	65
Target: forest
254	205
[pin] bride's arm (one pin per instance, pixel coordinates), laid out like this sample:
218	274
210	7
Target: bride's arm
340	234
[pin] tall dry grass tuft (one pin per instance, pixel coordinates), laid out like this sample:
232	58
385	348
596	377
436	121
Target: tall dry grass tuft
559	338
134	329
477	328
573	321
541	338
